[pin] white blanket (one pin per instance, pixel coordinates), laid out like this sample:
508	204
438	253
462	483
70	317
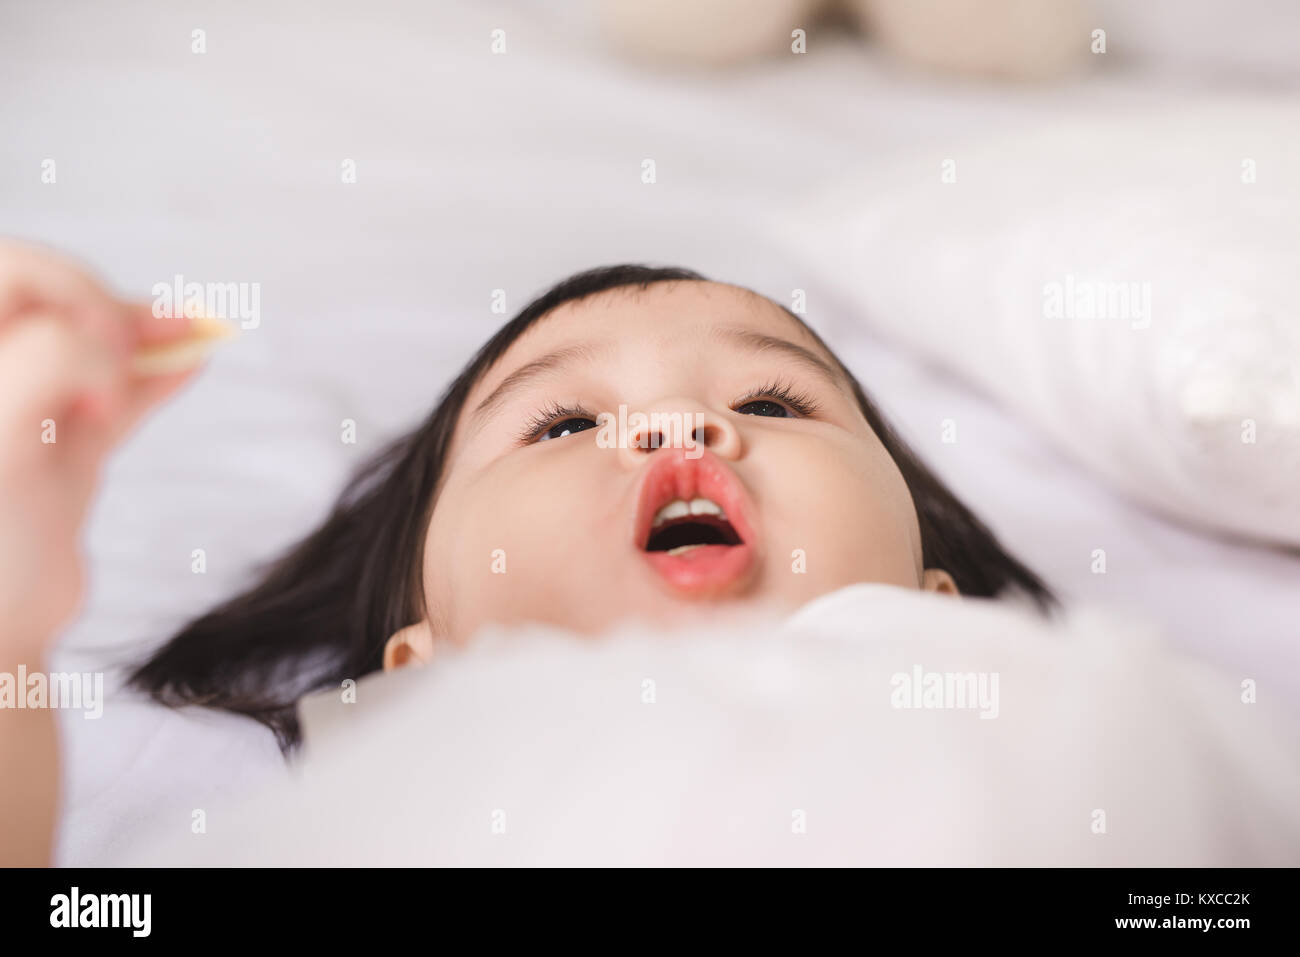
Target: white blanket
877	726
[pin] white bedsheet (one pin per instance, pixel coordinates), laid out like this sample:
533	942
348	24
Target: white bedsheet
475	172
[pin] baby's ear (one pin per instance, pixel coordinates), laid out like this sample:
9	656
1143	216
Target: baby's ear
936	579
412	645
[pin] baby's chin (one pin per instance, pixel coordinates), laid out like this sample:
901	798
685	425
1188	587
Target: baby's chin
637	600
675	612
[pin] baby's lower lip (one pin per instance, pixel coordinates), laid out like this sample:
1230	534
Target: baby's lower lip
704	570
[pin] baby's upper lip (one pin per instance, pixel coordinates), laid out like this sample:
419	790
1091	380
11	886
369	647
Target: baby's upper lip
672	475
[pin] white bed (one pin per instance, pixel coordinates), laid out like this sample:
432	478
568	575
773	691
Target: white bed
475	172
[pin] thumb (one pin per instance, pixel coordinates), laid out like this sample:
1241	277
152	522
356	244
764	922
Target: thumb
145	393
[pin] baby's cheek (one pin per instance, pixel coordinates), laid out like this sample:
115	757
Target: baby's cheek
540	554
834	516
486	563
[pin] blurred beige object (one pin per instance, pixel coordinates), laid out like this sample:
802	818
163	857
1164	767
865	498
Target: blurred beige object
1012	39
186	353
710	32
1015	39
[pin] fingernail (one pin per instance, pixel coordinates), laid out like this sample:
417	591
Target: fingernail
185	354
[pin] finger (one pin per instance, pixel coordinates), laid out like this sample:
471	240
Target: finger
99	421
147	393
150	329
36	279
48	367
31	275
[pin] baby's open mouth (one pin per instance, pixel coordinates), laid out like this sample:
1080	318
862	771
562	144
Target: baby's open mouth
681	526
695	525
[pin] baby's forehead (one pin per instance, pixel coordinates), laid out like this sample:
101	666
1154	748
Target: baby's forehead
688	312
663	324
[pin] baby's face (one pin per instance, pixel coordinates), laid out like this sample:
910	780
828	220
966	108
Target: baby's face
767	488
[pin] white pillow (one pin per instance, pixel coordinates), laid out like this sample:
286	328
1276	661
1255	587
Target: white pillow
1191	405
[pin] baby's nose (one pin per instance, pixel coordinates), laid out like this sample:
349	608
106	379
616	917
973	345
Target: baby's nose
679	424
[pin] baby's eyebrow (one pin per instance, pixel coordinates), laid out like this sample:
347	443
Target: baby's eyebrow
554	361
526	373
759	342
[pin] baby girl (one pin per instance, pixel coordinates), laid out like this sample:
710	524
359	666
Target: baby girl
637	443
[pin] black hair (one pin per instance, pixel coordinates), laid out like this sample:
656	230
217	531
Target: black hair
323	610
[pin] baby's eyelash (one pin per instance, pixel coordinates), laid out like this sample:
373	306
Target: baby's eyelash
549	415
799	402
553	412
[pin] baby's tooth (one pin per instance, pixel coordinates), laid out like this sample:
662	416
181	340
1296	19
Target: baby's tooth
680	548
680	509
674	509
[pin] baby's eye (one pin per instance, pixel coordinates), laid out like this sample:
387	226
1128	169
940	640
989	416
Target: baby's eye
566	427
777	400
765	407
